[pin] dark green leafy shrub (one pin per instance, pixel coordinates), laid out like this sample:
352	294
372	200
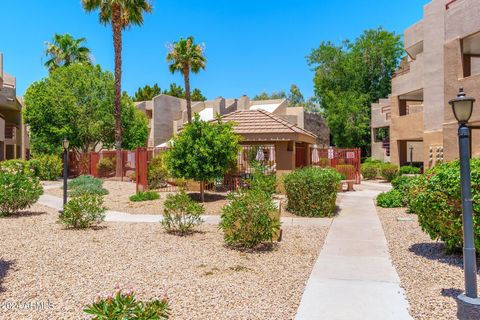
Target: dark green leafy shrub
390	199
83	211
409	170
19	188
18	165
389	171
181	214
249	219
86	185
145	196
157	173
312	192
123	304
436	198
262	180
47	166
369	170
106	167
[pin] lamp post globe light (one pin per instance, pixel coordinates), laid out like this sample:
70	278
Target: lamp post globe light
65	145
468	303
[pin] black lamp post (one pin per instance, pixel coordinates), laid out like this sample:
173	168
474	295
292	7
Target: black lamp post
468	303
411	155
65	144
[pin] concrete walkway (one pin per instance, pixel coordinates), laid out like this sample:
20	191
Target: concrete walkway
117	216
353	277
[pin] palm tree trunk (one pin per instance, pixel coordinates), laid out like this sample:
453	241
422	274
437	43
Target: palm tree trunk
117	45
186	76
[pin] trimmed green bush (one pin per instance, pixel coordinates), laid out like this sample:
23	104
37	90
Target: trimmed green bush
181	214
369	170
390	199
124	305
266	182
19	188
312	192
409	170
86	185
18	165
389	171
83	211
436	198
157	173
144	196
249	219
47	166
106	167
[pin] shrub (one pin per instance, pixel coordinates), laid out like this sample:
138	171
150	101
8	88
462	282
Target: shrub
369	170
181	214
436	198
312	192
86	185
123	304
157	173
390	199
389	171
47	166
409	170
250	219
18	165
347	171
106	167
324	162
145	196
266	182
19	188
371	160
83	211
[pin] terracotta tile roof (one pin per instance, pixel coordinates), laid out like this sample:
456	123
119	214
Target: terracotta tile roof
261	121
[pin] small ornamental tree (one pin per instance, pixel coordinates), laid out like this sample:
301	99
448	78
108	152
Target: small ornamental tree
203	151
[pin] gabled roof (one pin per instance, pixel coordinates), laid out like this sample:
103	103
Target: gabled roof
263	122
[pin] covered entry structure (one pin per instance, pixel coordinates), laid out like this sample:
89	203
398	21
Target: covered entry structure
291	144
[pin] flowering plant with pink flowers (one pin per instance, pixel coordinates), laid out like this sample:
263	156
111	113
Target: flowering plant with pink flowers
123	304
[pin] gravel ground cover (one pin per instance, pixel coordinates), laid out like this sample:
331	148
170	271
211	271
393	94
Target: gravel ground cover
54	272
431	278
119	193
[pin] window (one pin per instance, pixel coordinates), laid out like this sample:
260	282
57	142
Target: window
381	134
471	55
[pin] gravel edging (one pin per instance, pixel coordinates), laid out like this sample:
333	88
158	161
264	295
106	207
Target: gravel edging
431	278
43	262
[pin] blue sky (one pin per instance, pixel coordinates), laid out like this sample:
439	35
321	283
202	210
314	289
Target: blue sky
251	45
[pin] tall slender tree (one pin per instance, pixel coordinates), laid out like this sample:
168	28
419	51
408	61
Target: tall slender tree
120	14
185	56
65	50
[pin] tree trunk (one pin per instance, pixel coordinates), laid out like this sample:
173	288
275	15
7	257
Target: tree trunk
202	191
186	77
117	45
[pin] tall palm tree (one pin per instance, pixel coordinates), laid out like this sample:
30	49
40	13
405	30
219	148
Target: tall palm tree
185	56
120	14
66	50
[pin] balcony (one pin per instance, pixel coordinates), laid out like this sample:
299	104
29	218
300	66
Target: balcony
413	39
409	76
12	135
407	127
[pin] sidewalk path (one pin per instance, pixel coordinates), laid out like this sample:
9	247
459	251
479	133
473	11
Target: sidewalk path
116	216
353	277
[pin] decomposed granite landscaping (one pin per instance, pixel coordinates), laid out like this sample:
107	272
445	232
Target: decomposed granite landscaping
54	272
431	278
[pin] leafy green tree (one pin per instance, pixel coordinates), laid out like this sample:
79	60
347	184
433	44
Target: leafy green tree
147	93
120	14
272	96
76	102
197	95
186	56
65	50
203	151
295	97
351	76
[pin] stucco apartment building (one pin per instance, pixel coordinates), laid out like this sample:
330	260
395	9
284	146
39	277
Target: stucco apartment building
13	133
443	54
168	114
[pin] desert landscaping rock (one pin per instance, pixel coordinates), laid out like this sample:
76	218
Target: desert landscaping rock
431	278
66	269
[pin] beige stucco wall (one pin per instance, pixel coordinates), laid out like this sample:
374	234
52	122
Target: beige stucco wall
412	80
413	34
166	109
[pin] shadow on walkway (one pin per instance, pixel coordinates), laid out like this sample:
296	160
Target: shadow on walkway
436	251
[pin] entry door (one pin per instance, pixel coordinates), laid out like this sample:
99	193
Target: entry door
300	156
